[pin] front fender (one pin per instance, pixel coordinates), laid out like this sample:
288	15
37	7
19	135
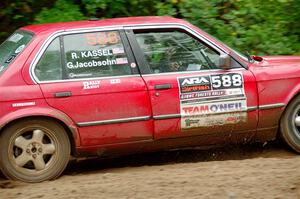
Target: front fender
292	93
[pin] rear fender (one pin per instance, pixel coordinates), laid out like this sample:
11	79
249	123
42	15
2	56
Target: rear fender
42	112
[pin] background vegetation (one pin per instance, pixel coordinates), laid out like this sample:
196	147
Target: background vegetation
258	26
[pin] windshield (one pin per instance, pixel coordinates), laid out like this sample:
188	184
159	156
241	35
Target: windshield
242	55
12	46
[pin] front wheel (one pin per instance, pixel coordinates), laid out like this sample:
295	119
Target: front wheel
290	125
34	150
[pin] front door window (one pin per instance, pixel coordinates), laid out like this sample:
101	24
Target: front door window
176	51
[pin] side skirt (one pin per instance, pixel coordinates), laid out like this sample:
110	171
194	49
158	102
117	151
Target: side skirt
202	141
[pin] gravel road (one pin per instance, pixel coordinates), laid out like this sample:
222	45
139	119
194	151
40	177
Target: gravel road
252	171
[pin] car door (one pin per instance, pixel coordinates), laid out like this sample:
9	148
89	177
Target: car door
92	77
190	95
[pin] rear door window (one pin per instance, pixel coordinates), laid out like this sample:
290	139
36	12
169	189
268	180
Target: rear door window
84	55
49	66
97	54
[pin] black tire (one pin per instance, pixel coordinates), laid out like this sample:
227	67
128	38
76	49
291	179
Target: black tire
290	127
34	150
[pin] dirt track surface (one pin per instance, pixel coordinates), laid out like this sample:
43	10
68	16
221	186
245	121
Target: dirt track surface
255	171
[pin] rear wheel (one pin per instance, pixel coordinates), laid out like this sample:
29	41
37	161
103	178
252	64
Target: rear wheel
290	125
34	150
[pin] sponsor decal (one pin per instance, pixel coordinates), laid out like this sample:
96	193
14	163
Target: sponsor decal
115	81
211	86
211	108
116	51
195	88
213	120
91	84
212	100
22	104
15	37
133	65
72	75
194	84
19	49
195	80
203	94
122	60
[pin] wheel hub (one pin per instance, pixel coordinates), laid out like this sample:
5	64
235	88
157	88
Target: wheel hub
33	149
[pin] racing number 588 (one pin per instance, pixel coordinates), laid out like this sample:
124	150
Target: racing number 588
102	38
227	81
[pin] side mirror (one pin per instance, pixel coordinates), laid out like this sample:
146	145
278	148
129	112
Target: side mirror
225	62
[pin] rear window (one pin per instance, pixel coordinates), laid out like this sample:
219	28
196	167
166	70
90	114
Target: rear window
12	46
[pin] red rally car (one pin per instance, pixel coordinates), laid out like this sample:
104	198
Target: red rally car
126	85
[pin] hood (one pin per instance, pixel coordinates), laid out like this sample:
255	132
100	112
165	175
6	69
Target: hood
273	61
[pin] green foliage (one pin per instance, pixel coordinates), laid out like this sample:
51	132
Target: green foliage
63	10
260	27
166	8
119	8
17	13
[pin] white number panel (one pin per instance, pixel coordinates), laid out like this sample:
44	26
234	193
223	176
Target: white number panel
209	100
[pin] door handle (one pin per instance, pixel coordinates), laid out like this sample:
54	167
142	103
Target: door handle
63	94
162	86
